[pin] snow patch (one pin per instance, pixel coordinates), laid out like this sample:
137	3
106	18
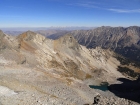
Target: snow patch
4	91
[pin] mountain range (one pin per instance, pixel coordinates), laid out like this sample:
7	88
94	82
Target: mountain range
37	70
124	41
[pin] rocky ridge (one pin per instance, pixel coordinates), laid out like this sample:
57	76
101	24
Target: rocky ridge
124	41
36	70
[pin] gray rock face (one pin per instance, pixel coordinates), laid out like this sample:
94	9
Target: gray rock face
125	41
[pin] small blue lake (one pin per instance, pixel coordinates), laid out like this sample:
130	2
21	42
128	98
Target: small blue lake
103	86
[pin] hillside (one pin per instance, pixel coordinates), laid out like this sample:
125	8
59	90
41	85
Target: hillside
124	41
37	70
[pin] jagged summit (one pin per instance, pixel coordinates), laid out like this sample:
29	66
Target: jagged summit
67	41
29	35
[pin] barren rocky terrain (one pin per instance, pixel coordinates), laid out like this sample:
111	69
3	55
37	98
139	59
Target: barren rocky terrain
125	41
122	40
35	70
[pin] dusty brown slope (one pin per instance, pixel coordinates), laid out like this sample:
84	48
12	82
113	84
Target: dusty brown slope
36	70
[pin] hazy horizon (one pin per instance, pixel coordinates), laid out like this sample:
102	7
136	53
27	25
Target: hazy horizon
52	28
43	28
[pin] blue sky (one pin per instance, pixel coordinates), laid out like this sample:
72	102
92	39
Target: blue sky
90	13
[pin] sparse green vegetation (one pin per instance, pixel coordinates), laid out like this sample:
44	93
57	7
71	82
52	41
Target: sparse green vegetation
128	72
126	61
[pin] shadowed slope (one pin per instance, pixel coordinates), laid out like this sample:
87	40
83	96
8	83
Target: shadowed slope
128	89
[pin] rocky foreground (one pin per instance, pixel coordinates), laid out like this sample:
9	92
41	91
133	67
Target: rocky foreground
35	70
